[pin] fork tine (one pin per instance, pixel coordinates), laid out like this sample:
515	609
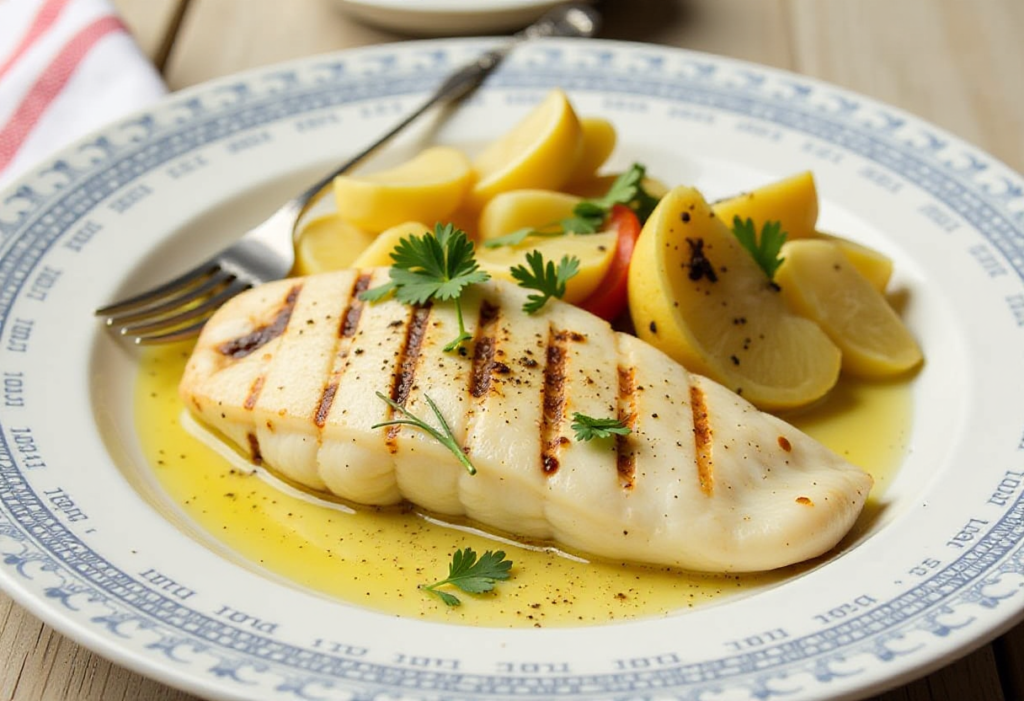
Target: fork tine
183	297
201	311
155	294
181	334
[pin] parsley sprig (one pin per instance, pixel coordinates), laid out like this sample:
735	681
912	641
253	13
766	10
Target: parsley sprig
548	279
434	266
442	435
764	248
471	575
588	428
589	215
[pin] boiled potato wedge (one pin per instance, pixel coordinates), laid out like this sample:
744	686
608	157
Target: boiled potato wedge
329	243
522	209
699	296
594	251
793	201
378	253
428	187
598	185
540	151
597	143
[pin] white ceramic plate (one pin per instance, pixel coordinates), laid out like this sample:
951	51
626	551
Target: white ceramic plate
447	17
89	543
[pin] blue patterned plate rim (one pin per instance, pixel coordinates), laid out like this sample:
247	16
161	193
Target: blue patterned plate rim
958	550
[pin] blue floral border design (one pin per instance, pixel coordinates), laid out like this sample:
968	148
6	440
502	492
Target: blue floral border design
34	543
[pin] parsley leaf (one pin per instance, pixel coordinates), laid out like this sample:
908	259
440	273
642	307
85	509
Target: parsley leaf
519	235
765	249
471	575
442	435
587	427
548	279
589	215
434	266
628	189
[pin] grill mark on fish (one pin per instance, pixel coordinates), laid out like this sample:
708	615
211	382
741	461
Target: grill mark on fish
554	400
405	371
350	319
483	350
625	450
248	344
323	409
702	435
254	392
254	449
346	330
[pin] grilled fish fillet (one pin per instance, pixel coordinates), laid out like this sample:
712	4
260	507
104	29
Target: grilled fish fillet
289	372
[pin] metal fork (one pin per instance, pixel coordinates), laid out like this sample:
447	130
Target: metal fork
177	309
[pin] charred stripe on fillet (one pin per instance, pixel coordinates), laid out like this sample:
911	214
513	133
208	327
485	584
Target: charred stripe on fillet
554	400
702	439
406	366
254	393
350	319
625	450
323	409
483	350
242	346
349	325
254	450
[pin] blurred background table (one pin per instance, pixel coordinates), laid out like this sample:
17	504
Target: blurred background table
956	63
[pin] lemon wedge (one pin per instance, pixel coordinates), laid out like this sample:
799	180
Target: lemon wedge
540	151
329	243
699	296
428	187
819	282
872	264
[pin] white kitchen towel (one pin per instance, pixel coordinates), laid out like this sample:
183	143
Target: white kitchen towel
66	68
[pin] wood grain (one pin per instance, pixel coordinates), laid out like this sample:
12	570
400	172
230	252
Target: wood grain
957	64
154	24
219	37
751	31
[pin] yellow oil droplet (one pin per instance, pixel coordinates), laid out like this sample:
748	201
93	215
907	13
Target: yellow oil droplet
377	558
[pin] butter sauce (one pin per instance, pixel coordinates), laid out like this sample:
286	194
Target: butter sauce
375	558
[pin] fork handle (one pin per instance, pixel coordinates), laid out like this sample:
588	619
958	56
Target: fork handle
573	19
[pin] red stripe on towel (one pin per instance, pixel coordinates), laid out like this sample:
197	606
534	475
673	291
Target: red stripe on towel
44	19
50	83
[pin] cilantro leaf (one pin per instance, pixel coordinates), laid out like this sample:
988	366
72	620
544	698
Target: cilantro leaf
434	266
765	249
472	575
587	427
548	279
589	215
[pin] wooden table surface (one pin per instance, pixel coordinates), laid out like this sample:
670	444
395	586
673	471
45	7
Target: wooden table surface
956	63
